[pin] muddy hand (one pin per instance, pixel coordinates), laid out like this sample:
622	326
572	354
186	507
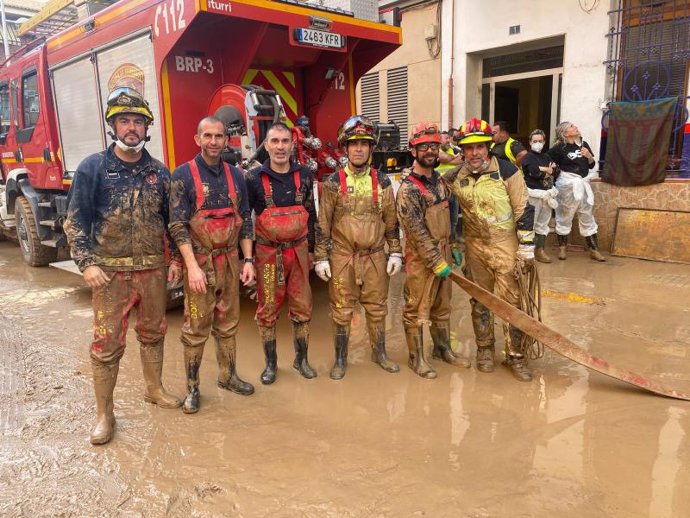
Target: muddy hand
323	270
95	277
196	279
248	274
174	274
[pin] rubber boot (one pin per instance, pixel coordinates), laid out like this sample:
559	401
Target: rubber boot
485	359
440	335
152	365
562	246
227	372
300	338
483	325
515	358
417	361
268	339
192	362
342	337
593	245
539	253
104	379
377	338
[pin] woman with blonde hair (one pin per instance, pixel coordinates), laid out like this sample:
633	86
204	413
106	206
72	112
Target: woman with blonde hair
574	158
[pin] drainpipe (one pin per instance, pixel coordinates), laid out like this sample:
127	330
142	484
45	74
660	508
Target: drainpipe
4	30
452	60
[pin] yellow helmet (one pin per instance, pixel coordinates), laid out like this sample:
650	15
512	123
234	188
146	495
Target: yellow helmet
474	131
127	100
357	127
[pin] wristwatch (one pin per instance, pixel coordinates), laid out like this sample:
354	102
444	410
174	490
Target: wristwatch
249	260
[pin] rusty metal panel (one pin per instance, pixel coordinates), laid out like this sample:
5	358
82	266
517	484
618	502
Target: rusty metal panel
660	235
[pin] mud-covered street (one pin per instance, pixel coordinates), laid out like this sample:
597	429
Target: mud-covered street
571	443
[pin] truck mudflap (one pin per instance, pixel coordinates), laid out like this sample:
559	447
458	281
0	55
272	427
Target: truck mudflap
557	342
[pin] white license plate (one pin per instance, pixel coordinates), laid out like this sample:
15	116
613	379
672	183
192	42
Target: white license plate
320	38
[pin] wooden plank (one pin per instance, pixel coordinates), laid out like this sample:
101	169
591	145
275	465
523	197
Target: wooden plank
660	235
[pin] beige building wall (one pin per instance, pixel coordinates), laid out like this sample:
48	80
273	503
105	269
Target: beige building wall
423	70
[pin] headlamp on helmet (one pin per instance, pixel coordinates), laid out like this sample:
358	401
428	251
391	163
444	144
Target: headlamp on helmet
127	100
475	131
425	133
357	128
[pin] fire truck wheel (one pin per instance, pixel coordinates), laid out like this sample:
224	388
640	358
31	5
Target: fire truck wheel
33	252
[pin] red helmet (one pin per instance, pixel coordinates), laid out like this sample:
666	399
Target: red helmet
425	132
474	131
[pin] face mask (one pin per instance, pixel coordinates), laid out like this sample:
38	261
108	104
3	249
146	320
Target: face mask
124	147
537	147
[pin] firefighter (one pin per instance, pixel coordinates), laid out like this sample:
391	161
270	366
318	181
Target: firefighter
356	220
209	214
281	195
499	237
504	147
423	211
116	222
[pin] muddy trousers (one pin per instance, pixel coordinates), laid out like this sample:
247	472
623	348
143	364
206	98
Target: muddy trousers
491	266
280	274
217	311
359	277
300	334
143	291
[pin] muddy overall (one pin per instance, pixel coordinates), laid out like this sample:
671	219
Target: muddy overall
427	296
215	233
282	266
358	263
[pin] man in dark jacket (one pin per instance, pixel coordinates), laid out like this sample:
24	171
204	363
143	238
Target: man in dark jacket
116	223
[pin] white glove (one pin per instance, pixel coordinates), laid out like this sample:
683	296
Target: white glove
323	270
394	264
525	252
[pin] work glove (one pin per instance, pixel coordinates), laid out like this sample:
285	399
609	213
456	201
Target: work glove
457	256
323	270
525	253
443	270
394	264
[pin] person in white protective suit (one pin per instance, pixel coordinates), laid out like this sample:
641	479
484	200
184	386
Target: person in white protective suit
574	158
540	174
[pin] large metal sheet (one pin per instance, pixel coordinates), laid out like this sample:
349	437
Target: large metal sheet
661	235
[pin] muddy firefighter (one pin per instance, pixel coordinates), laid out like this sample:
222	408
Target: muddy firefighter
357	219
499	237
116	222
424	214
209	214
281	196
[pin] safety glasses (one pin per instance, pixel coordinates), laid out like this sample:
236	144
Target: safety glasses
430	130
425	147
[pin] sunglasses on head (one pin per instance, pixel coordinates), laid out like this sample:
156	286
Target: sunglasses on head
428	131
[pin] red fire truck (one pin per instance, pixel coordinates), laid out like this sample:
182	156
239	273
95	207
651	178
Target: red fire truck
249	61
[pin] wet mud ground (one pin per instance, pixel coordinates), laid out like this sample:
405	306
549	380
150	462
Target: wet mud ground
571	443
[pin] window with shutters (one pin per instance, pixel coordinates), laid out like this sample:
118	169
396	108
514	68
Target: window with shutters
397	101
649	56
371	103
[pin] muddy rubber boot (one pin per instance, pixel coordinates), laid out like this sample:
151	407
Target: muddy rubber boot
539	253
593	245
440	335
377	338
192	362
562	247
342	337
104	379
417	361
268	339
227	372
518	366
485	359
152	365
300	338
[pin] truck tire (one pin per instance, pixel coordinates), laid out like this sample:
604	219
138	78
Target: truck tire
33	252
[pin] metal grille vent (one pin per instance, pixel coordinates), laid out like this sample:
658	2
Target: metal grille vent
397	101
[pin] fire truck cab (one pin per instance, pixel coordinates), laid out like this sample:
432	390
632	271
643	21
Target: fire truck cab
249	61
